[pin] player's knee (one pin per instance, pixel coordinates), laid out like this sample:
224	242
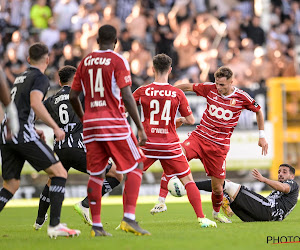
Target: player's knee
217	189
57	170
11	185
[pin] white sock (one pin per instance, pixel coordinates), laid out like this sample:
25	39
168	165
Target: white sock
98	224
231	188
215	213
129	216
161	199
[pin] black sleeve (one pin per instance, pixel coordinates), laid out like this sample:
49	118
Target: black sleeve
294	186
41	83
47	104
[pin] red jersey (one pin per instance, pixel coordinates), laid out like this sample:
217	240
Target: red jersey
159	105
101	75
222	112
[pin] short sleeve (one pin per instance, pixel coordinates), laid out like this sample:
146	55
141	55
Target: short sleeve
41	84
184	107
294	186
250	103
47	104
136	95
202	89
122	73
76	85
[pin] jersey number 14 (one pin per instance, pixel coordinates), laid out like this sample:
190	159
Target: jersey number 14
98	86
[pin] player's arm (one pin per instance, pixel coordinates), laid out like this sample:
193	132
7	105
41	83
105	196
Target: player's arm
185	87
262	140
188	120
36	103
76	103
131	108
277	185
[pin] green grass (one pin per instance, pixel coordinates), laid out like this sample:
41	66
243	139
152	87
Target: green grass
175	229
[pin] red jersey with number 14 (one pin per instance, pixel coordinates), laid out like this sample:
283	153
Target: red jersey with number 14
222	112
101	75
159	105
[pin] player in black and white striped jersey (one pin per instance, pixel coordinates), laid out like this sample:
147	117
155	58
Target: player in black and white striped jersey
28	92
71	151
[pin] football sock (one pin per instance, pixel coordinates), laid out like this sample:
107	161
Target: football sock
204	185
131	190
231	188
217	201
163	192
85	202
56	195
94	190
5	196
43	205
194	198
109	184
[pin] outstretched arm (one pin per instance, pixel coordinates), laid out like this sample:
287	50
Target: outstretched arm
131	108
188	120
184	87
262	140
277	185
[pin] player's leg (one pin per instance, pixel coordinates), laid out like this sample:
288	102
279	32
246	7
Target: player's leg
12	164
112	178
97	159
128	159
41	157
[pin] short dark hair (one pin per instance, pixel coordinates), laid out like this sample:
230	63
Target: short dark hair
223	72
107	34
66	74
292	170
37	51
162	63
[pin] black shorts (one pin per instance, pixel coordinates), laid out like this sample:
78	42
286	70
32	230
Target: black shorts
75	158
250	206
72	158
37	153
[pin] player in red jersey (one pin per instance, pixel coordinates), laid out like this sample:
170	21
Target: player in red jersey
210	141
160	102
104	77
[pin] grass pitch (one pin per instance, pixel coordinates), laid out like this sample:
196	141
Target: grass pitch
175	229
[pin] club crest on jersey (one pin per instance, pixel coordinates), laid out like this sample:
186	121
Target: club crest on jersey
232	102
215	98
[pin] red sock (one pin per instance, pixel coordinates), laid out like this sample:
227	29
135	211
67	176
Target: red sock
94	190
216	201
194	198
163	192
131	190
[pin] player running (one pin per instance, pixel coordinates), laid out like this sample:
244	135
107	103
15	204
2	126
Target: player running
104	77
71	151
28	93
210	141
159	104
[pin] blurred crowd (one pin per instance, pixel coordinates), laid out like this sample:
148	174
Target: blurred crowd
199	35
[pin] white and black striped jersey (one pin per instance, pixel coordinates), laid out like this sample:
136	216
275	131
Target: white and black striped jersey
31	80
60	109
282	204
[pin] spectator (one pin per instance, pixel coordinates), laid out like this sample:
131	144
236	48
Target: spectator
50	36
136	23
63	12
40	14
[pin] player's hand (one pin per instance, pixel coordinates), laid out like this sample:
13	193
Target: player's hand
142	137
41	134
59	134
264	146
257	175
179	122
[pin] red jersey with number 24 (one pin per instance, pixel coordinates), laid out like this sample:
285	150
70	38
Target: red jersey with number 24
222	112
159	105
101	75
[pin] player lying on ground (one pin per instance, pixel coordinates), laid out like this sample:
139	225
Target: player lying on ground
71	151
210	141
104	77
250	206
160	102
28	93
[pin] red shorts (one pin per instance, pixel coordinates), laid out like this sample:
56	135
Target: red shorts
212	155
176	166
125	154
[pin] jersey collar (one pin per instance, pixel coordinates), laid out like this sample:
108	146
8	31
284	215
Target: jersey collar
160	83
227	96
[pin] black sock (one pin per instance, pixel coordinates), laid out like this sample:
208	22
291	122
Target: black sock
5	196
85	202
57	195
43	205
205	185
109	184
